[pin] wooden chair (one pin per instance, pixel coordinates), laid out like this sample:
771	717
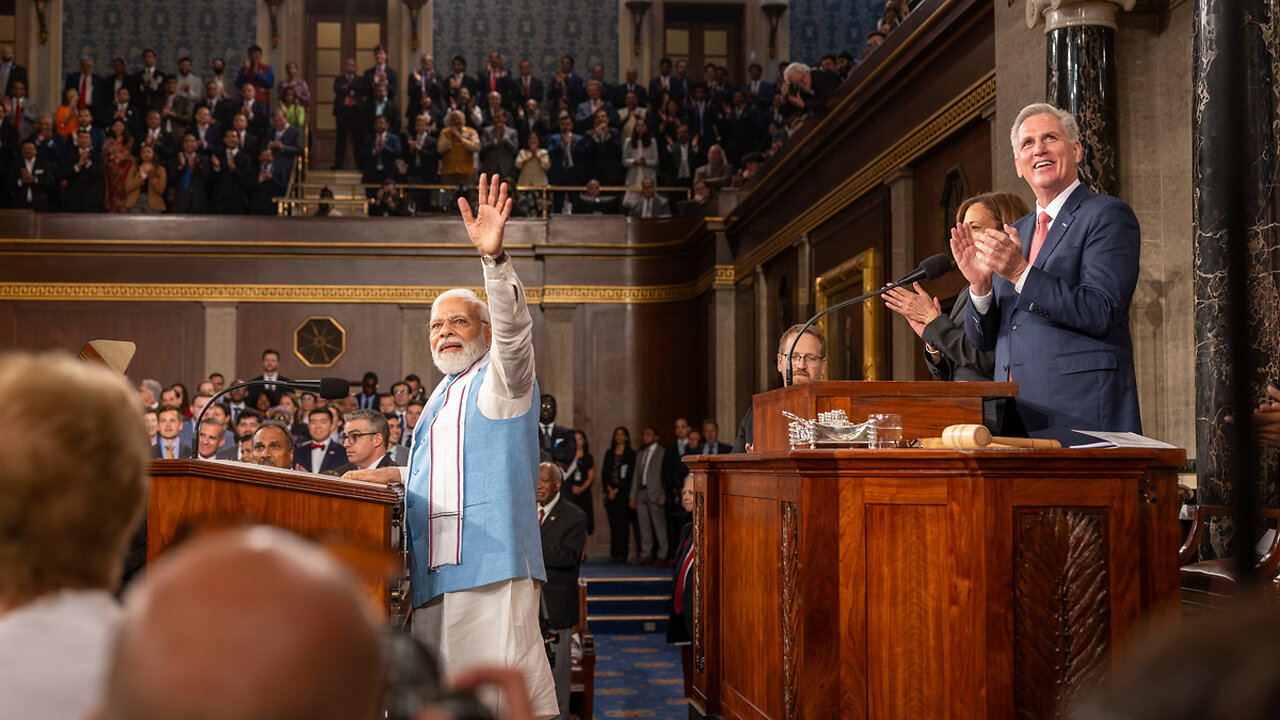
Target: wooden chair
1209	583
583	679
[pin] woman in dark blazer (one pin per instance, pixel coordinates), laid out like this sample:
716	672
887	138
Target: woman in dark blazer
616	469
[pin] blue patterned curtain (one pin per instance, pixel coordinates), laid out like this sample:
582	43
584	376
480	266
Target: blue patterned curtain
542	32
819	27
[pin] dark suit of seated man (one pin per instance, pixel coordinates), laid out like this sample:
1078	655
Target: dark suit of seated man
31	180
592	202
284	140
269	181
564	537
649	204
378	155
1051	294
320	453
366	435
229	194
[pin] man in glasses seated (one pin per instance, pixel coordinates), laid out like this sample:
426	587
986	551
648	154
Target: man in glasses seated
808	362
366	438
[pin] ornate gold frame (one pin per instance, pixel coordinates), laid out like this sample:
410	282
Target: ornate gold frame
863	268
341	351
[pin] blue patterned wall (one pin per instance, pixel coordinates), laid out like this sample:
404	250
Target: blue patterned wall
541	31
819	27
199	29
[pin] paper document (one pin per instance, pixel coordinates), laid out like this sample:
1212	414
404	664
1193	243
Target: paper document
1121	439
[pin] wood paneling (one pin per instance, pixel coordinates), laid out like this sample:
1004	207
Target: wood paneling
749	593
373	339
169	336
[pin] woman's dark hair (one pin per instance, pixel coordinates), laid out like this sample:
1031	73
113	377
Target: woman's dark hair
124	131
638	139
625	432
185	401
586	446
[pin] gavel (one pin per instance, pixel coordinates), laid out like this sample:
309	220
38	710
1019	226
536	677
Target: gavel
964	437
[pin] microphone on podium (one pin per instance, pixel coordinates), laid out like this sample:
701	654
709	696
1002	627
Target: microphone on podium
329	388
933	267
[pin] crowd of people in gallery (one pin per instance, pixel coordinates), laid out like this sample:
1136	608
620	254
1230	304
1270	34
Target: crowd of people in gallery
155	138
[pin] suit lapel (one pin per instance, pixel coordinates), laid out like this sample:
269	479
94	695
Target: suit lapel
1058	229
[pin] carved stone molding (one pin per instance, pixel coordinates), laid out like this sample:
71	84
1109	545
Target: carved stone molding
699	521
1061	609
790	607
1058	14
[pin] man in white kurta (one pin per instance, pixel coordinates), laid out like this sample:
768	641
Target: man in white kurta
475	552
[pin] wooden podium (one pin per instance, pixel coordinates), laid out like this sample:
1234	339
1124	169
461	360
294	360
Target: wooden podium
358	521
916	583
926	407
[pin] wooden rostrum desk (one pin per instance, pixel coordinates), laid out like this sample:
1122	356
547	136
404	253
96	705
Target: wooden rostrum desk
909	583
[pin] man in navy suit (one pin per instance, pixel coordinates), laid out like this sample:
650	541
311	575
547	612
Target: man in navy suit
283	140
321	452
269	181
564	84
711	444
381	73
563	526
526	85
93	89
1055	307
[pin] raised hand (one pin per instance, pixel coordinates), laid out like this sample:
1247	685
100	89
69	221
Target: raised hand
493	207
971	266
1002	252
919	308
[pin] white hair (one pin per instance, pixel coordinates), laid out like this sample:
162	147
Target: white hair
469	295
1068	121
796	67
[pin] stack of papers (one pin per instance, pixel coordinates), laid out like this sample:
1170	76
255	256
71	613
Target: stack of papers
1121	440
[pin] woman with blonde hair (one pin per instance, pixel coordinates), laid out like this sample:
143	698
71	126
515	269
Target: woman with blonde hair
947	350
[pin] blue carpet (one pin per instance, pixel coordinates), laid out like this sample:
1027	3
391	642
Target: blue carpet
638	676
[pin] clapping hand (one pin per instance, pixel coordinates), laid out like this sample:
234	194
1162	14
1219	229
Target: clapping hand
493	207
971	265
1002	252
919	308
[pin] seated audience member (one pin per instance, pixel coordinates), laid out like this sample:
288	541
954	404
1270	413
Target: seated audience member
209	439
49	144
947	351
396	449
321	452
563	527
247	139
65	119
294	112
68	518
255	112
151	174
82	172
32	181
649	204
157	138
301	90
696	202
457	146
717	172
269	181
191	175
366	436
807	90
255	75
273	445
284	141
24	111
380	105
191	637
594	202
499	145
175	108
220	109
168	425
230	177
567	154
208	136
324	209
388	203
153	424
378	154
247	422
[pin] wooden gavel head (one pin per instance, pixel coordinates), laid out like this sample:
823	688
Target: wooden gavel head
966	436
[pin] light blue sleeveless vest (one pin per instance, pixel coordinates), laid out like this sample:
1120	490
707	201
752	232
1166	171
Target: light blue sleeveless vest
500	537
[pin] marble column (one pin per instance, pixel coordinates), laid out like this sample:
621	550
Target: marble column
1234	175
902	339
1080	77
220	339
723	369
557	364
766	346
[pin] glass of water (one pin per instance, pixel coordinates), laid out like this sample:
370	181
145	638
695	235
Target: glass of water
888	430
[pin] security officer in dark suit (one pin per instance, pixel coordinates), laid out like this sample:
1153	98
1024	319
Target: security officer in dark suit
564	536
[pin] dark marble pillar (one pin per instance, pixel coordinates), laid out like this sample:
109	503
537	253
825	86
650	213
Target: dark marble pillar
1234	175
1081	79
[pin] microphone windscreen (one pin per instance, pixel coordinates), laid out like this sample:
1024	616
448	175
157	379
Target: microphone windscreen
334	388
936	266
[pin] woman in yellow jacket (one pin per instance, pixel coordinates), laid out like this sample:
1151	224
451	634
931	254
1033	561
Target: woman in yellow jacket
146	172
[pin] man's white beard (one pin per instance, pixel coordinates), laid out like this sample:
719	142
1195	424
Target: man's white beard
455	362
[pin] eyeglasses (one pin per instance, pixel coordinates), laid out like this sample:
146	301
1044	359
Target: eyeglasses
344	437
458	322
402	392
807	359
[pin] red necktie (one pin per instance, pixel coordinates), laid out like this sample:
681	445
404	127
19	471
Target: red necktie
17	113
542	513
1042	231
677	598
317	446
526	86
493	81
84	80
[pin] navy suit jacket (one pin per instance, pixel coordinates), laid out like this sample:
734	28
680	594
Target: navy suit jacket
1065	339
335	456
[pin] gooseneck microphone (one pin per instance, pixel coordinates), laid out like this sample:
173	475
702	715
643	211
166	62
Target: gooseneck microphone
329	388
933	267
